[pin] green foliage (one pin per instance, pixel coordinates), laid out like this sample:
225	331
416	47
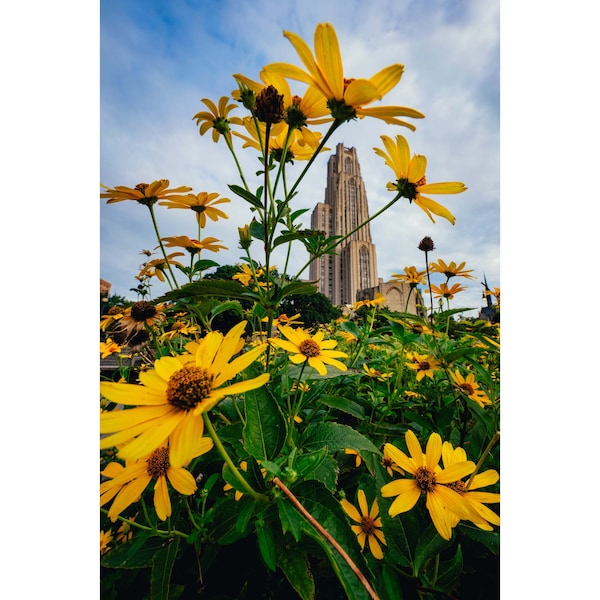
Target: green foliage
314	310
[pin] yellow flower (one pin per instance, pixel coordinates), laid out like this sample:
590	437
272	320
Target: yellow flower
173	396
109	347
315	350
179	328
387	462
495	294
443	291
371	372
193	246
410	178
470	388
411	276
203	204
105	540
483	517
346	98
280	138
217	118
369	523
246	275
423	364
156	267
113	314
127	483
358	459
144	193
429	479
450	270
377	301
139	315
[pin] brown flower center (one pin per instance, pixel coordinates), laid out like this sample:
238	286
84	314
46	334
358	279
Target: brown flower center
158	463
189	386
367	524
141	187
424	366
269	105
458	486
425	479
467	388
309	348
387	462
142	310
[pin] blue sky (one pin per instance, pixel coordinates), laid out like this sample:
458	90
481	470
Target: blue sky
159	59
63	133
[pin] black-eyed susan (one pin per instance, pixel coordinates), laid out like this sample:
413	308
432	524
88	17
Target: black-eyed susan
139	315
203	204
347	98
451	269
144	193
410	178
170	402
445	291
312	349
376	374
468	386
429	479
369	526
127	483
217	118
156	267
109	347
113	314
482	516
387	462
193	246
411	276
425	365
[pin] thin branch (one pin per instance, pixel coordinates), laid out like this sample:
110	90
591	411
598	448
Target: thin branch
327	536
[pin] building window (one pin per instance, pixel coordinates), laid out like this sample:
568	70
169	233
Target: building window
349	165
364	270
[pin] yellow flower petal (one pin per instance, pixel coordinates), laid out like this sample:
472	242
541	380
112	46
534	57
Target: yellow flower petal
162	502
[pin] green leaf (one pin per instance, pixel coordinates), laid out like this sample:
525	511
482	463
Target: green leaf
327	511
343	404
490	539
305	463
265	430
162	567
298	287
430	544
208	287
253	199
135	554
295	566
450	570
291	519
257	230
327	473
335	437
266	545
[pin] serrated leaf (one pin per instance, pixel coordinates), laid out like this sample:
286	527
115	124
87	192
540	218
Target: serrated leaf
162	567
343	404
296	568
335	437
490	539
265	430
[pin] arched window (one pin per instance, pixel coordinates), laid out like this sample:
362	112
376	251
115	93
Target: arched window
349	165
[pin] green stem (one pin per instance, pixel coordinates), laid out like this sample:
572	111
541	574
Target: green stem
234	470
237	164
151	209
483	456
160	532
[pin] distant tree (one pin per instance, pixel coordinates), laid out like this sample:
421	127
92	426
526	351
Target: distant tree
107	302
315	309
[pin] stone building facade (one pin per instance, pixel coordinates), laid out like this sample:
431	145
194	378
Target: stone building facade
350	274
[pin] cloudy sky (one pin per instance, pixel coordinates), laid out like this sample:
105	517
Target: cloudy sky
159	59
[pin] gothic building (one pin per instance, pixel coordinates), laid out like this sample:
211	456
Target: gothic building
351	273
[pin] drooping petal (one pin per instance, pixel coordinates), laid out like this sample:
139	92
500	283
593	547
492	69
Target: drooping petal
375	548
162	502
438	514
182	480
430	206
184	439
128	495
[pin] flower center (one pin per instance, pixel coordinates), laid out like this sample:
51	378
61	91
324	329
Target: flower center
387	462
458	486
406	189
158	463
367	524
141	187
142	310
189	386
425	479
309	348
424	366
467	388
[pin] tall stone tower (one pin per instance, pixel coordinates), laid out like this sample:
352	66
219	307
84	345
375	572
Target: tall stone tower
354	267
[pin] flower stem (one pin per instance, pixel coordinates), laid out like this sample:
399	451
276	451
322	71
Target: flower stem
151	209
218	444
484	454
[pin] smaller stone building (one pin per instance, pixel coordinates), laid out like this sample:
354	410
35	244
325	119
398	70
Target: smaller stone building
396	294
